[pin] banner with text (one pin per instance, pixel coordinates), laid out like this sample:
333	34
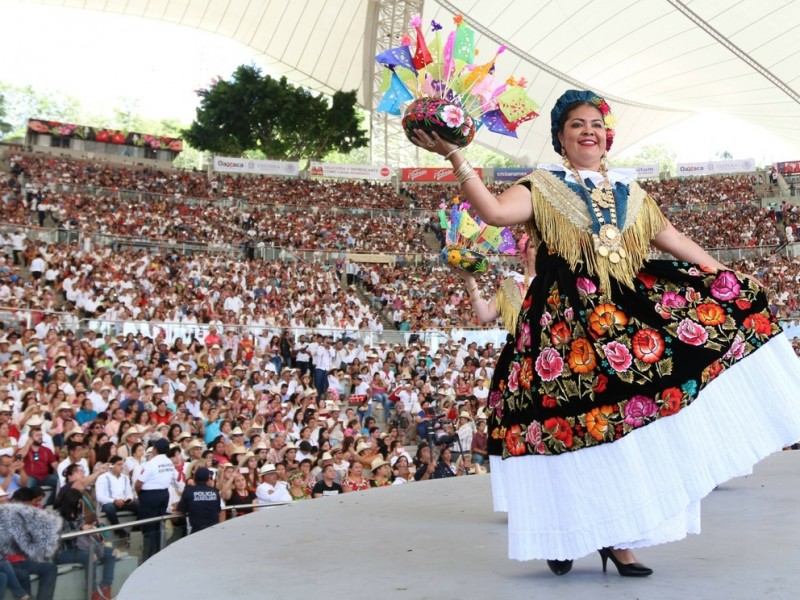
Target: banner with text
716	167
511	173
319	169
647	171
226	164
432	175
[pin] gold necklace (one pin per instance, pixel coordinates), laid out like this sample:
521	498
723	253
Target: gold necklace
608	240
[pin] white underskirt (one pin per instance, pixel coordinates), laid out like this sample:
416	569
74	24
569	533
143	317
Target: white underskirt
645	488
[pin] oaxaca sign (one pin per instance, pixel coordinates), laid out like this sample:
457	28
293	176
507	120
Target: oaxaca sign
432	175
319	169
226	164
717	167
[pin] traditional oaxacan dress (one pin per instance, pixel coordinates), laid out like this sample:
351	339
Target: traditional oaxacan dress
630	389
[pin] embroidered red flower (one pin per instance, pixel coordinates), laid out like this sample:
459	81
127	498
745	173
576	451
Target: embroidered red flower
515	443
560	334
526	373
560	429
711	313
549	401
712	371
600	383
647	279
743	304
671	401
648	345
759	323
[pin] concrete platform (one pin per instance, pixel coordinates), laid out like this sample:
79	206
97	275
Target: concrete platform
441	540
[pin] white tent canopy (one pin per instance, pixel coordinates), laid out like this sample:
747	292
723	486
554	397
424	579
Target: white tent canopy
658	61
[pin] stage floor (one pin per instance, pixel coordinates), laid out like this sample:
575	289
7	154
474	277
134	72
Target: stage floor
441	540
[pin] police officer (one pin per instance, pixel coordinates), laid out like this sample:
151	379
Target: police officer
152	485
200	502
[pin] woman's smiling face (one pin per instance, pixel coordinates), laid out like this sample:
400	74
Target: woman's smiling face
584	137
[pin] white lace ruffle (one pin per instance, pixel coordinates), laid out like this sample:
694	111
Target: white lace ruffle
645	489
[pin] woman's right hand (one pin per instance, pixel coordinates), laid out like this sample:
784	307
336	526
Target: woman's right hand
432	142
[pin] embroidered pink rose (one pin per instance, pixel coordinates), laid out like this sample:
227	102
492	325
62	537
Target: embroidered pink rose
524	337
669	301
736	350
586	286
549	364
496	403
692	333
639	408
533	437
673	300
569	314
725	287
453	116
545	319
618	356
694	272
513	377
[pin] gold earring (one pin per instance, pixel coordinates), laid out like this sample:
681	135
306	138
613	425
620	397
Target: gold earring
565	160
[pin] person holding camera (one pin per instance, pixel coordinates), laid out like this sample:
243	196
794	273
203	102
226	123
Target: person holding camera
12	473
114	492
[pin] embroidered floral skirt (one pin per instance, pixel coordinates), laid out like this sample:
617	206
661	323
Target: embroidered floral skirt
613	415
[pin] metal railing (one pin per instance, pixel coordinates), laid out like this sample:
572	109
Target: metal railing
162	520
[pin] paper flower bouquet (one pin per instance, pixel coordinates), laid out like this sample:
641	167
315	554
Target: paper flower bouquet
468	239
450	93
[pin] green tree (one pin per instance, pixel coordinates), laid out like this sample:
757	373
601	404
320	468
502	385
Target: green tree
724	155
254	112
23	103
659	154
4	126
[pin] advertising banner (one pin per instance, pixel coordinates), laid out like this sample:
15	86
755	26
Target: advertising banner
432	175
716	167
227	164
104	135
647	171
319	169
510	173
788	168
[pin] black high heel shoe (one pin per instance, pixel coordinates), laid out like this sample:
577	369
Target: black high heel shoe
560	567
626	570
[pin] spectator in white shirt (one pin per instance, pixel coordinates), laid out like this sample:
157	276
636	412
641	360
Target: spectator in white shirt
114	493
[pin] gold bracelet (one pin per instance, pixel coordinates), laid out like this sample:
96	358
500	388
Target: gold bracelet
464	168
466	179
472	289
449	154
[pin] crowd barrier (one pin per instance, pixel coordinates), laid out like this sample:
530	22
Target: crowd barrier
170	332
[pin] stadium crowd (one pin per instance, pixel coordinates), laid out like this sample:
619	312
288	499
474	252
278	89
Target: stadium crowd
254	378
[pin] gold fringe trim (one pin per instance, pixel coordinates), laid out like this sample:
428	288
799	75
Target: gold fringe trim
563	220
508	303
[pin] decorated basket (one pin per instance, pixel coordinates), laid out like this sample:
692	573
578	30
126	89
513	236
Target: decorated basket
448	90
468	239
440	116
